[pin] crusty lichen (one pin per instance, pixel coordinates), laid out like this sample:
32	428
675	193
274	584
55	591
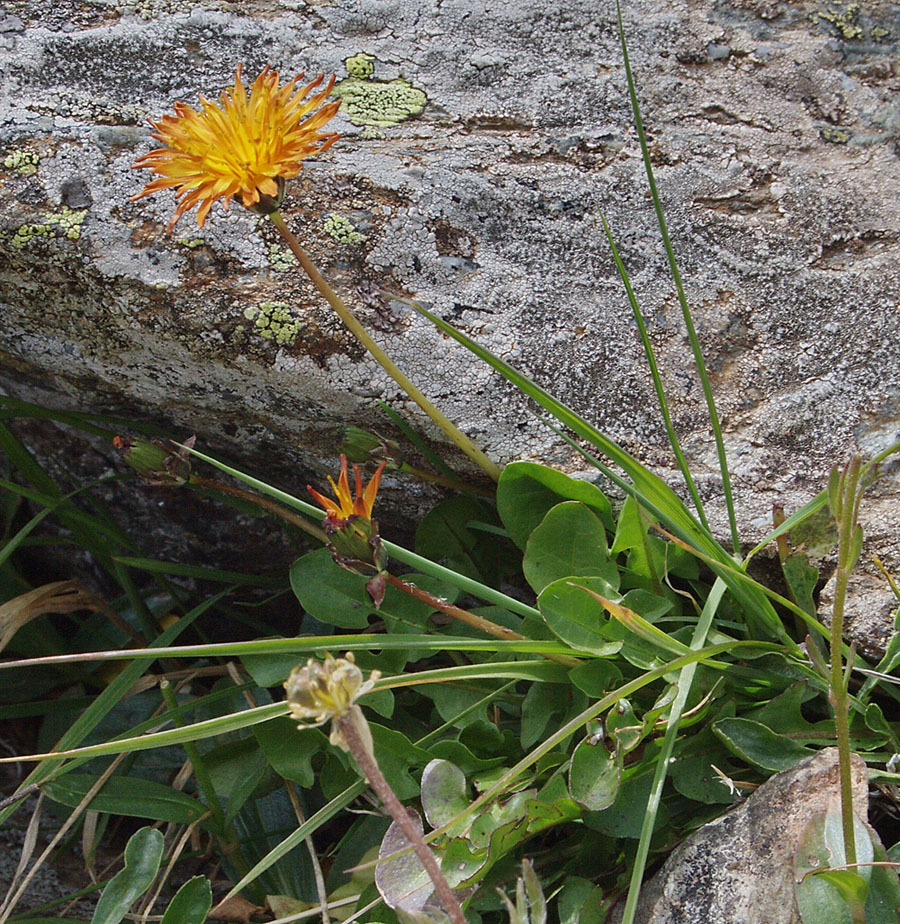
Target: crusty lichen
22	162
66	222
834	135
380	103
846	20
280	258
342	229
361	65
274	321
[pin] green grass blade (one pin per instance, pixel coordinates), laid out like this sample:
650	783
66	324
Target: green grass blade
685	681
237	721
418	441
308	646
657	378
679	289
200	572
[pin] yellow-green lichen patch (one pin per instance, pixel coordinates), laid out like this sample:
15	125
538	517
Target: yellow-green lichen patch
66	222
342	229
880	34
280	258
22	162
835	135
274	321
191	242
378	102
845	20
361	66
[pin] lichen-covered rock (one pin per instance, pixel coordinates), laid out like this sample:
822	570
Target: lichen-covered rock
481	144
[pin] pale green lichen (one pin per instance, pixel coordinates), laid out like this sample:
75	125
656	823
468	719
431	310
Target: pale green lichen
22	162
370	133
280	258
361	66
342	229
377	102
274	321
846	20
191	242
880	34
66	222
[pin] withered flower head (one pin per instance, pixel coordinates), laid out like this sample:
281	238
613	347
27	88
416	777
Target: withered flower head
164	464
346	505
325	691
244	146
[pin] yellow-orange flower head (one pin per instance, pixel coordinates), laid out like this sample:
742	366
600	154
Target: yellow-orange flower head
244	146
346	504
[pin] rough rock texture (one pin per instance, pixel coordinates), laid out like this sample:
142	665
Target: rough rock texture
479	148
738	869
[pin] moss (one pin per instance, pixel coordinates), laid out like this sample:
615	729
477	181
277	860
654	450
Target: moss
66	222
280	258
377	102
361	66
845	20
22	162
274	321
342	229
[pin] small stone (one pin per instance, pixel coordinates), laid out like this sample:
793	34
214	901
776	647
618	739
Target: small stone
738	868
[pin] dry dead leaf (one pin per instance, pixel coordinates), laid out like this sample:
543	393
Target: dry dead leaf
58	597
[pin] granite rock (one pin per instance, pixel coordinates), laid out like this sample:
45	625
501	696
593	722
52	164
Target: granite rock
480	145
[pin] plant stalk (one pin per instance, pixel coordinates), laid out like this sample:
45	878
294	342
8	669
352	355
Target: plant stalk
368	765
470	619
386	363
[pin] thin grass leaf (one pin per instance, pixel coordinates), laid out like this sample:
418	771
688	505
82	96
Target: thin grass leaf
200	572
657	378
307	645
418	442
685	681
679	289
12	408
246	718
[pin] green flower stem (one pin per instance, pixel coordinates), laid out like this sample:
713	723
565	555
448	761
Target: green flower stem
368	765
362	335
845	515
470	619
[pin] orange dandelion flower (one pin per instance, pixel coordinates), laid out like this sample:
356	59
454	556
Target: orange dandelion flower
346	506
244	146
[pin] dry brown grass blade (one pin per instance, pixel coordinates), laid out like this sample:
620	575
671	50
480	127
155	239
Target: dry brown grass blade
57	597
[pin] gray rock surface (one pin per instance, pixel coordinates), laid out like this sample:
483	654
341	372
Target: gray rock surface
738	869
773	127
